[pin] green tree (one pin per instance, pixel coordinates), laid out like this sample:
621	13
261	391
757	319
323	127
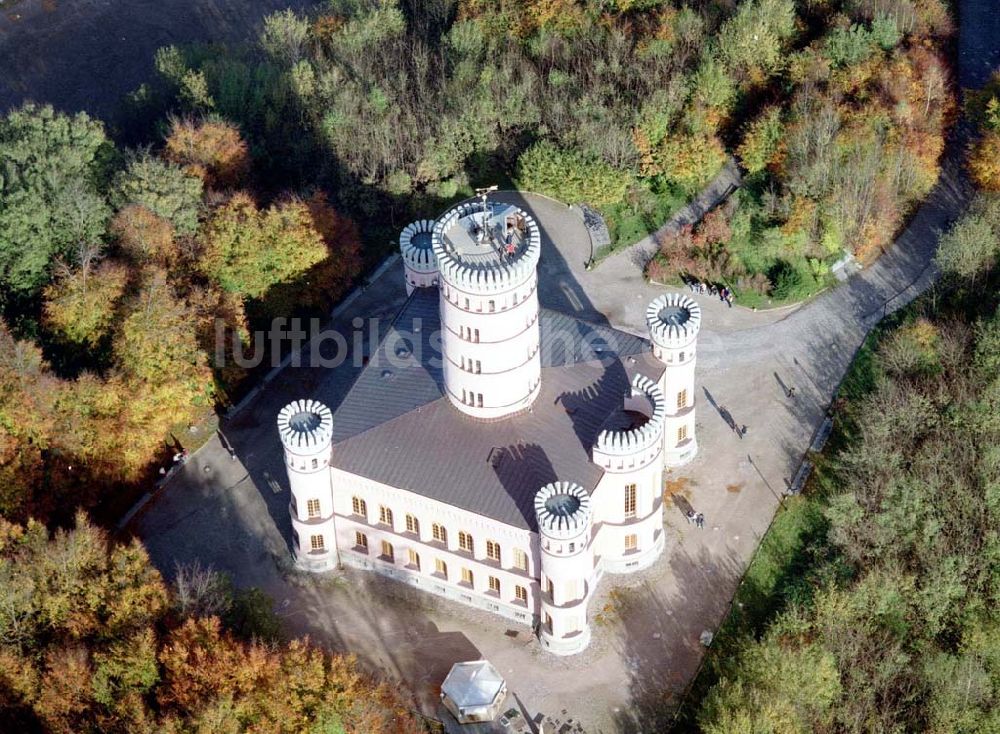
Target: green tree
752	43
247	251
51	171
163	188
971	246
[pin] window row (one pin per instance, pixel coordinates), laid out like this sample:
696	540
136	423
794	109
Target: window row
469	334
313	464
475	399
490	305
470	365
388	554
439	533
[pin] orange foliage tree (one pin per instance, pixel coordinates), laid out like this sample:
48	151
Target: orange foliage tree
88	643
211	149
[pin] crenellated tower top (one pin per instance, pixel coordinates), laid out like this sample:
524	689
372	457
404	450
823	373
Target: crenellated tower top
306	427
417	251
645	398
484	252
673	320
563	510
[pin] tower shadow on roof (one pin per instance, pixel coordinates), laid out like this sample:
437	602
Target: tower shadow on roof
520	466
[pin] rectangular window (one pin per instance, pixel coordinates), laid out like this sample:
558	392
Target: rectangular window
682	399
441	568
412	525
465	398
359	506
465	541
316	542
413	558
682	433
387	551
467	577
520	559
315	463
493	306
494	584
479	400
475	337
493	551
466	304
521	593
385	515
312	508
630	493
439	533
631	542
479	367
360	540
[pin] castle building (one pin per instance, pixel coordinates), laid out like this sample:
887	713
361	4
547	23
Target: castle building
491	451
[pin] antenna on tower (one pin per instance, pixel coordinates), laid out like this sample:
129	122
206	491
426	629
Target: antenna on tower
483	194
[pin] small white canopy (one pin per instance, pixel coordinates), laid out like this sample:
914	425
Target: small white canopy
474	691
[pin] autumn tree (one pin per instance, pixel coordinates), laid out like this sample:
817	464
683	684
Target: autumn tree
80	304
144	236
52	168
211	149
248	250
87	643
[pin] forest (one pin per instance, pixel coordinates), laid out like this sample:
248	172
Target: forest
872	603
835	110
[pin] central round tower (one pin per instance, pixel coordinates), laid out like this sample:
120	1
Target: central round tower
487	261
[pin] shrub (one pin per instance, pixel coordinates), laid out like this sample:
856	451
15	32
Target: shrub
570	176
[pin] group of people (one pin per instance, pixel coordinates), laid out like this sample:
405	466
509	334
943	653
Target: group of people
724	293
697	518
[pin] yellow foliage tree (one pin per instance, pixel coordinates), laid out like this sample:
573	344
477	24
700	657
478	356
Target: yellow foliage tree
247	251
984	161
80	305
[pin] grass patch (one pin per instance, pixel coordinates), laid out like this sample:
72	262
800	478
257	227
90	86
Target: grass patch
651	205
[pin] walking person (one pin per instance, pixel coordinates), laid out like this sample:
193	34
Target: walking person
699	521
791	392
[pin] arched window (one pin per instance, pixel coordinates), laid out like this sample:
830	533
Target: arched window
465	541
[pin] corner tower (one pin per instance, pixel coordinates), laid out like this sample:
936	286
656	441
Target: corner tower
306	428
419	264
564	522
629	505
674	320
488	259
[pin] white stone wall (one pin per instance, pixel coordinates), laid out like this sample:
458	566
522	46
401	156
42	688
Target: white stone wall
490	346
455	520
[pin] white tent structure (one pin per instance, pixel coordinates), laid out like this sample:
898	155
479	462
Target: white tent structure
473	691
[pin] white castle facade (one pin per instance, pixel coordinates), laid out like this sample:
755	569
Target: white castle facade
516	471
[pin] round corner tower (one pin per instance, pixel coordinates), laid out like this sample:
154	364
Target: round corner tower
306	428
487	261
629	504
674	320
563	512
419	263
